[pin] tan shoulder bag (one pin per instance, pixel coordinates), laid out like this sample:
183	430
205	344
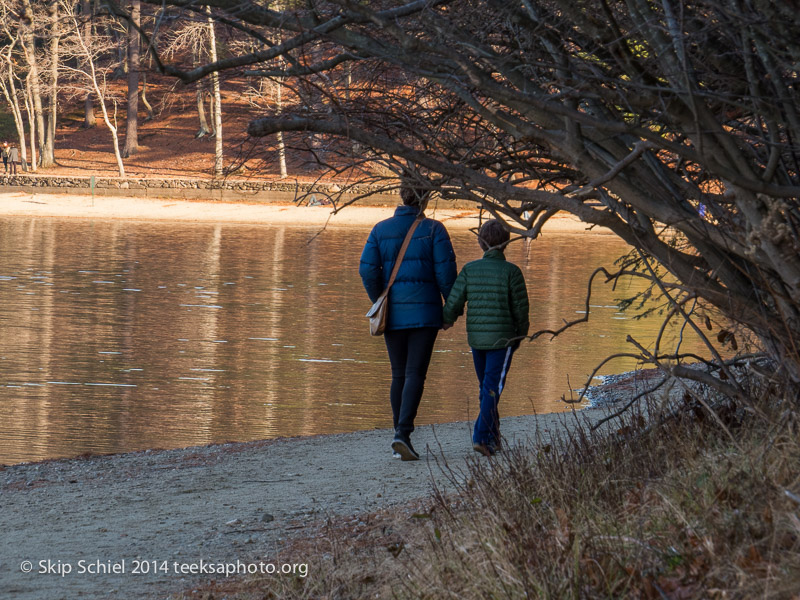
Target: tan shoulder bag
377	314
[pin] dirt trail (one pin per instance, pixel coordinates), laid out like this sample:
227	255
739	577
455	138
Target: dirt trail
169	510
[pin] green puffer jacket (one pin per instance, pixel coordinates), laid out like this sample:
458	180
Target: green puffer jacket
497	300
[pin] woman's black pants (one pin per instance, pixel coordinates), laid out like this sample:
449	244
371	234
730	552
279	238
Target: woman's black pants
410	353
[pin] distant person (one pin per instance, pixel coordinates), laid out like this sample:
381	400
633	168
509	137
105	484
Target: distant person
13	158
496	297
4	152
414	318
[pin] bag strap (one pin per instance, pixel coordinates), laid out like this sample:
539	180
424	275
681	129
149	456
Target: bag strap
402	252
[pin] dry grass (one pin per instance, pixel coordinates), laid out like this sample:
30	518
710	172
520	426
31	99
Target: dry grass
693	507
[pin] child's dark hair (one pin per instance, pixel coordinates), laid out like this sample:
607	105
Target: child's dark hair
493	233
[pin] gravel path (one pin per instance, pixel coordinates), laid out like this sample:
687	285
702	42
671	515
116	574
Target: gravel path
166	511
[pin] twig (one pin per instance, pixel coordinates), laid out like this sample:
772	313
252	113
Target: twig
596	369
609	276
585	317
737	392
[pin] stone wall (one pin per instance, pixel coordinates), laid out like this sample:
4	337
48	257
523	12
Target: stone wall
189	189
248	190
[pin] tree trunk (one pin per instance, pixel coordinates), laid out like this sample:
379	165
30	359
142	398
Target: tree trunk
131	130
147	107
281	145
113	129
31	121
204	129
28	45
122	52
89	118
218	170
200	96
49	143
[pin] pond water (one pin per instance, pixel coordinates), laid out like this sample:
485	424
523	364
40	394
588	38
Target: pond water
119	336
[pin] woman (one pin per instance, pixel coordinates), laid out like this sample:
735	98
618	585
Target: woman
414	316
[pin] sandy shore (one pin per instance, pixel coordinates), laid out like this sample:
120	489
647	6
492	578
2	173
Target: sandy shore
218	504
21	204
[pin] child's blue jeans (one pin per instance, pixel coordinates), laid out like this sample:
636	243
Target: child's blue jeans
491	367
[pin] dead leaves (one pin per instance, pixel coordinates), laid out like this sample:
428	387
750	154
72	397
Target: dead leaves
727	337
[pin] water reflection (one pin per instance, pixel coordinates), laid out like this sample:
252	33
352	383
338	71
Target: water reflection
117	336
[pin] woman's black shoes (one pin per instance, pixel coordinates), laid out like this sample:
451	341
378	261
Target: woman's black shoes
404	449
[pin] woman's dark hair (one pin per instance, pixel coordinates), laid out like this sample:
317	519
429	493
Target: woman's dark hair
413	196
492	233
411	193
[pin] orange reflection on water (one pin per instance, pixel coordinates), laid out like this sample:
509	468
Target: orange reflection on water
119	336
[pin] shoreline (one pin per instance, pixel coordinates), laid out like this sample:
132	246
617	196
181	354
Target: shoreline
54	205
243	503
220	503
603	396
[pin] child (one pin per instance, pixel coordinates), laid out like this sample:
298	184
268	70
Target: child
4	153
497	319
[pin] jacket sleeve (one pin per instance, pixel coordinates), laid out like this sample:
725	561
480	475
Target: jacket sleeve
454	307
444	258
520	307
371	267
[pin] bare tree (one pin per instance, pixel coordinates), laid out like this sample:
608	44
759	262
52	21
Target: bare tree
675	125
267	95
192	37
28	21
90	73
8	81
212	45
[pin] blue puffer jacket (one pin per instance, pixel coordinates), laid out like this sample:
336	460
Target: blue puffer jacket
425	276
